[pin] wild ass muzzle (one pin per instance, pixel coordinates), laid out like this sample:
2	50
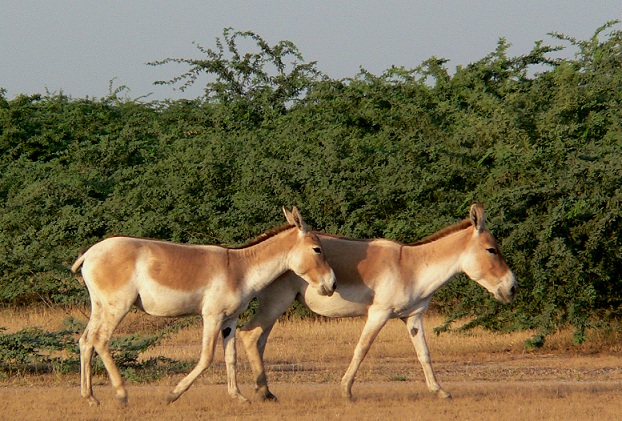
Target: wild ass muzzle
168	279
384	279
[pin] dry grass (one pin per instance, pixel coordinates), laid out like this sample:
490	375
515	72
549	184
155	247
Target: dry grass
491	376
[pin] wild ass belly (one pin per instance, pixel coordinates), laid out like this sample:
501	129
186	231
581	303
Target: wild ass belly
355	301
345	302
158	300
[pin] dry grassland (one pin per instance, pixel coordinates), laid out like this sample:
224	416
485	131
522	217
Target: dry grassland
491	376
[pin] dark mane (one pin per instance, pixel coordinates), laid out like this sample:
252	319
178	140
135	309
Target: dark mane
264	236
443	233
341	237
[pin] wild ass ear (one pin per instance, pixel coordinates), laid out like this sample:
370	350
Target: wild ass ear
288	216
478	218
294	218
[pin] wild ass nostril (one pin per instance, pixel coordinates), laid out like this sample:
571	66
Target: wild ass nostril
324	290
513	290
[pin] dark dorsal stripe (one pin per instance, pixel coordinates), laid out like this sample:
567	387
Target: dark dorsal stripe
261	237
429	239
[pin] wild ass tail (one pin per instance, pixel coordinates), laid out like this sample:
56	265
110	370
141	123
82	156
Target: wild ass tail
78	262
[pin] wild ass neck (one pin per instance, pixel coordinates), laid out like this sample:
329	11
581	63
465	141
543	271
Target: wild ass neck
435	263
259	264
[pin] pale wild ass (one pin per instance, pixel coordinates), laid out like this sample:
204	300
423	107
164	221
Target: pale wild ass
384	279
168	279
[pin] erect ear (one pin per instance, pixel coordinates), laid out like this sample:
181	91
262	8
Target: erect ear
478	218
294	218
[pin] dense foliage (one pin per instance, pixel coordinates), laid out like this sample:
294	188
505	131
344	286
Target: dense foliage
537	140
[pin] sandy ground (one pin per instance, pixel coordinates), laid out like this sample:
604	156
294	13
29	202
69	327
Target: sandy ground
491	377
528	387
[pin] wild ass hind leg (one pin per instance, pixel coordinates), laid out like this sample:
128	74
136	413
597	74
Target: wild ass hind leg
98	335
254	336
211	328
414	325
86	358
375	322
228	343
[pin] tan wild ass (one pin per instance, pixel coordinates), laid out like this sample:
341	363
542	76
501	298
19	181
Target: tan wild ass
168	279
384	279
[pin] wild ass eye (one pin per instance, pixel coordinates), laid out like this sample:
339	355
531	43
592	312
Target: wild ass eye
492	250
317	250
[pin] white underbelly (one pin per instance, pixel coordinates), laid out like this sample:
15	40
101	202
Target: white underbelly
158	300
349	304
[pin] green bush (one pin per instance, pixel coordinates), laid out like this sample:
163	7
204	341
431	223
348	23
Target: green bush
398	155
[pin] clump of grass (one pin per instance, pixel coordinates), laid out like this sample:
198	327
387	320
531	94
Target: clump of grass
33	350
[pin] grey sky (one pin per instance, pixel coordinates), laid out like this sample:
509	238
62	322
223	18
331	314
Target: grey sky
79	46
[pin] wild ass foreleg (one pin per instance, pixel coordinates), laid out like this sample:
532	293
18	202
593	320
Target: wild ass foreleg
375	321
211	328
254	336
228	341
414	324
254	340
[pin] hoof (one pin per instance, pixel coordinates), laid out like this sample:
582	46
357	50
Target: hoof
267	397
92	401
172	397
443	394
241	398
346	389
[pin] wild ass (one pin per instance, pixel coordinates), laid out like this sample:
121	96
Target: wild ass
384	279
168	279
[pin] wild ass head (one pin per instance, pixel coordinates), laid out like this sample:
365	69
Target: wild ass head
307	259
483	261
